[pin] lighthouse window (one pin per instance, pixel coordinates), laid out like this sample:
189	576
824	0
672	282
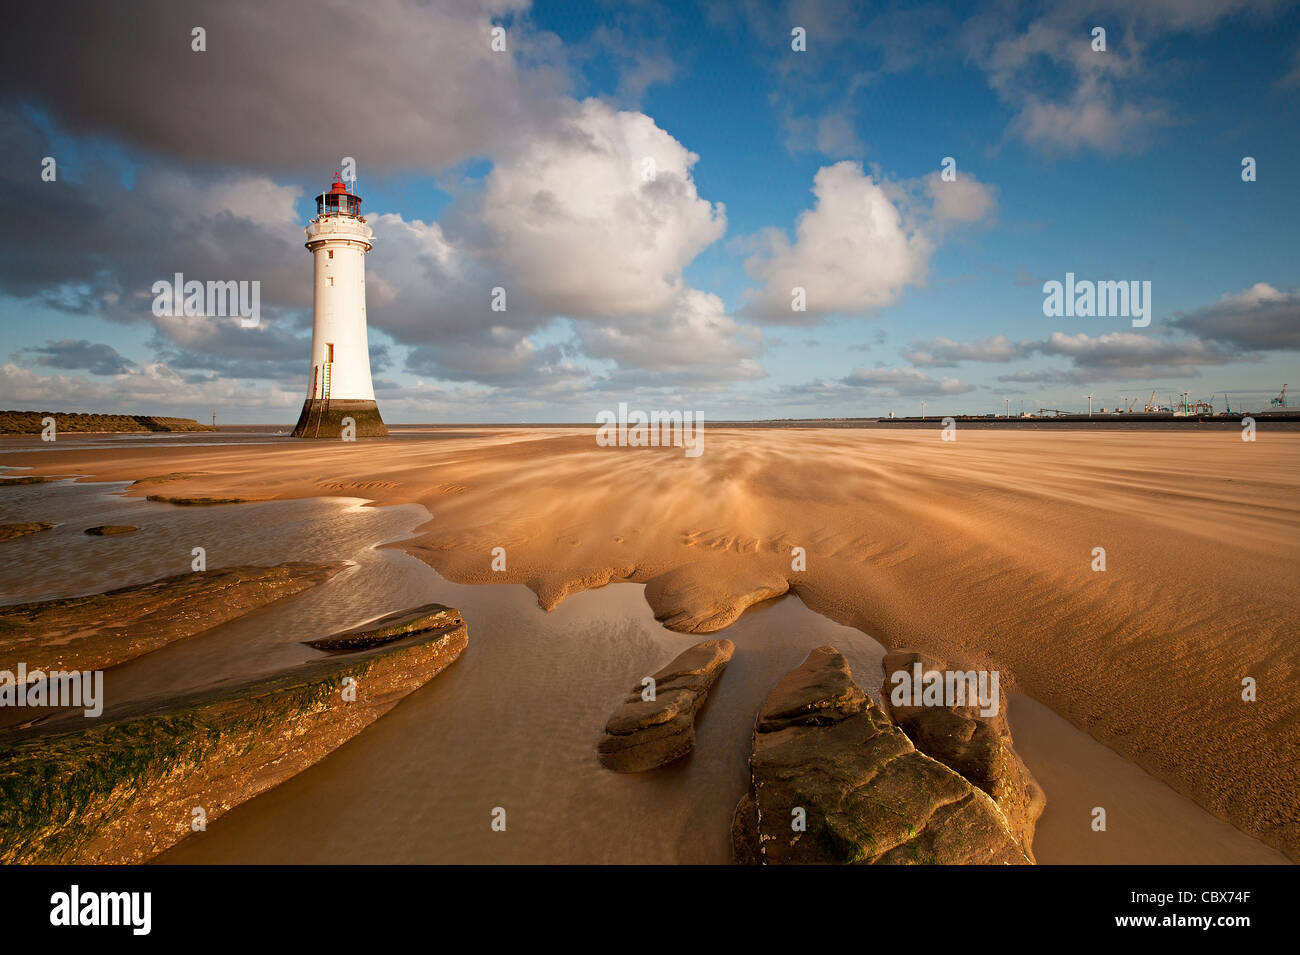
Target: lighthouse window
331	278
331	253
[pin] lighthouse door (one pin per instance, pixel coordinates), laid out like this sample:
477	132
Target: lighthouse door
330	346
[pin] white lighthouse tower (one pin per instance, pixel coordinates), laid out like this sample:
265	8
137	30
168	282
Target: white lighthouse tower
339	385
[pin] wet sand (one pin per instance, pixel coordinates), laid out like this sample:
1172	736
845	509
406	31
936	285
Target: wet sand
978	551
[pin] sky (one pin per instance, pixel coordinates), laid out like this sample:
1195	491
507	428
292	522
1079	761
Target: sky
748	210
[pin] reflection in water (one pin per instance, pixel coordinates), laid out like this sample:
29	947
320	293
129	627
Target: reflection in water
514	723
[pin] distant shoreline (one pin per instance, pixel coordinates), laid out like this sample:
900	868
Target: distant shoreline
34	422
1286	421
28	423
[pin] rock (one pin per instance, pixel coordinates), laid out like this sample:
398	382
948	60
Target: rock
389	628
169	477
122	789
195	501
867	795
10	531
646	734
98	631
106	530
977	746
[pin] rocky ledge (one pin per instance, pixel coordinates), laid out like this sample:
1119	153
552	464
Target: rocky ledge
98	631
833	781
11	531
970	741
195	501
125	790
645	734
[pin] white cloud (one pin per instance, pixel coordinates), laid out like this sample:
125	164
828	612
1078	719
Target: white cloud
1083	106
889	382
943	352
852	253
569	225
964	200
697	340
572	217
1131	350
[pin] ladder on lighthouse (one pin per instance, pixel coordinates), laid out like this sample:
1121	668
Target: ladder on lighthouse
322	405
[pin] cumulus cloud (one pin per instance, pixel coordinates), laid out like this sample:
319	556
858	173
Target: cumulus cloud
204	346
568	224
861	244
853	253
1260	318
95	246
697	341
587	225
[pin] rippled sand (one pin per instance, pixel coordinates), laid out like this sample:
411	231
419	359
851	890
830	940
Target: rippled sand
978	551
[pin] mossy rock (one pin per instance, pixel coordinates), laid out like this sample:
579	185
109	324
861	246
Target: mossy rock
123	789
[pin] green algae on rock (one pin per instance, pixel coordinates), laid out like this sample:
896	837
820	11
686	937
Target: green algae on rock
833	781
977	746
102	630
195	501
125	790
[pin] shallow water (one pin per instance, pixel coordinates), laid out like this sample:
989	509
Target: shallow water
515	721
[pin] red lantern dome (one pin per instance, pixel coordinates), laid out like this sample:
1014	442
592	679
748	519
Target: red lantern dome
338	201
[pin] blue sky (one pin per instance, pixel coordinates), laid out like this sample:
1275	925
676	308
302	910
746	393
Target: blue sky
517	169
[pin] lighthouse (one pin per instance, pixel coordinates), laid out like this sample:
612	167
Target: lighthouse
338	385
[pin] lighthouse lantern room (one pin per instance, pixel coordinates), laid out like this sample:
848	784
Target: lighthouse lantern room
339	385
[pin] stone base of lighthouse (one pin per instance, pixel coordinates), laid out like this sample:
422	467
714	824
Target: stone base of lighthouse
323	418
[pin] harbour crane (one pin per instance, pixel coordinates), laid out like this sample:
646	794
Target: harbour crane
1280	400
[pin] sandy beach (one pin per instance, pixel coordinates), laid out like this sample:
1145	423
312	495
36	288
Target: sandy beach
978	551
